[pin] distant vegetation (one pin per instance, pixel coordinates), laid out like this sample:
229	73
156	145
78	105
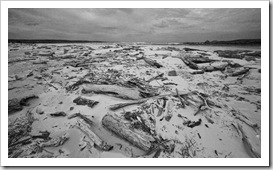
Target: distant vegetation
51	41
231	42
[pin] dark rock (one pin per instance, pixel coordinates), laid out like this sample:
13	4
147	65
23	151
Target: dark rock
192	124
172	73
168	118
58	114
39	77
83	101
27	53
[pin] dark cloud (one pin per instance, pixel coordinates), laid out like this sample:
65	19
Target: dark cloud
162	24
132	24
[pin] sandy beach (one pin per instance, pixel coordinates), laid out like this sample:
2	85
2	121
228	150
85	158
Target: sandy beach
130	100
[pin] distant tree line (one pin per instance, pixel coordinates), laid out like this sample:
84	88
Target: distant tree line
51	41
231	42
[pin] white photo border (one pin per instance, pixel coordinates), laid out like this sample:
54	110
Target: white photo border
263	161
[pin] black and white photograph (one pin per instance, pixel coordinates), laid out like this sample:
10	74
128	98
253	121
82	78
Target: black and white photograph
135	83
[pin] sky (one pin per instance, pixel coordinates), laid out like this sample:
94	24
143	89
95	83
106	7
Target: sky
135	24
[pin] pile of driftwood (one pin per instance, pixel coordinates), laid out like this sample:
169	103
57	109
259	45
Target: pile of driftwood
19	129
115	83
85	125
20	60
17	104
138	126
233	68
22	144
238	54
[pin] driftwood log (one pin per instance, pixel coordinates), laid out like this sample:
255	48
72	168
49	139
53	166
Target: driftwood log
180	98
184	97
243	76
56	141
98	142
39	62
114	90
22	140
200	59
151	62
189	63
197	72
20	60
192	49
121	128
121	105
156	77
247	122
139	101
247	143
240	72
88	121
209	119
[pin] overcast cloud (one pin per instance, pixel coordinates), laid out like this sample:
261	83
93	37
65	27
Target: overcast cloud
129	24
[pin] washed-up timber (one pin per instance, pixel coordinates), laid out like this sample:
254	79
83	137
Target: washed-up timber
86	100
120	127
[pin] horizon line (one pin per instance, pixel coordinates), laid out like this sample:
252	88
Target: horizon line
69	40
